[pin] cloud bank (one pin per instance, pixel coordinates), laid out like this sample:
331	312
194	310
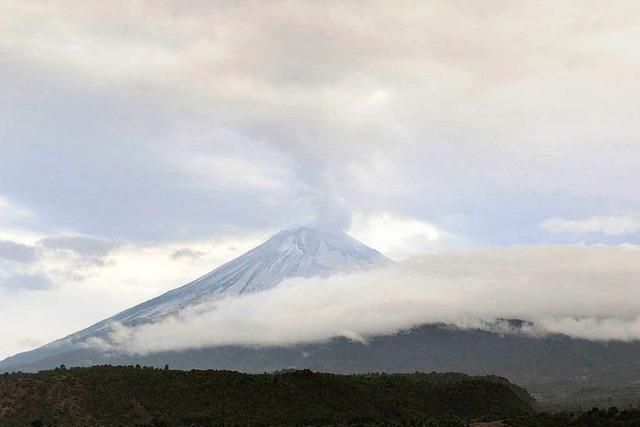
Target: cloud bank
584	292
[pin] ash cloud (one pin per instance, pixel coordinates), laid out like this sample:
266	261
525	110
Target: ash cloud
581	291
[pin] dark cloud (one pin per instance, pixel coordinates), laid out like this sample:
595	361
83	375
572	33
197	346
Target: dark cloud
186	253
17	252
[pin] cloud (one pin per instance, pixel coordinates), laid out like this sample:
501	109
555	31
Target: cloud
581	291
186	253
329	212
396	236
77	257
25	281
17	252
81	245
243	112
608	225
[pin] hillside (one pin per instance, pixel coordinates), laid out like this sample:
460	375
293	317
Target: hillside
127	396
558	370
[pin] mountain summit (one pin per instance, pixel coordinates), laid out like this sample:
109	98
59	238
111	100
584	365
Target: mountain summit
297	252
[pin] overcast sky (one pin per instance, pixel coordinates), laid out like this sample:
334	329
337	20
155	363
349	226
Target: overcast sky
144	143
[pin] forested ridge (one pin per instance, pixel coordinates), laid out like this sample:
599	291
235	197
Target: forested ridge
141	396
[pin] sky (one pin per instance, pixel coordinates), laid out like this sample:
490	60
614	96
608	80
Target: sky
144	143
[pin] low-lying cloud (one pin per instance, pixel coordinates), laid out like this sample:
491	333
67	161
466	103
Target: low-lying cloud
586	292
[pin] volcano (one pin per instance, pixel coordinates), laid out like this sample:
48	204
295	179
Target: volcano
297	252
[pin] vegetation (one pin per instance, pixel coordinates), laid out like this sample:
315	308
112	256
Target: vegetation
141	396
612	417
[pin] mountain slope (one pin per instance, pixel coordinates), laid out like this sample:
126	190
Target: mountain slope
555	367
298	252
558	369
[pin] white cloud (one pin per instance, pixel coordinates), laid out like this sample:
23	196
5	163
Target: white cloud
225	160
396	236
464	92
608	225
585	292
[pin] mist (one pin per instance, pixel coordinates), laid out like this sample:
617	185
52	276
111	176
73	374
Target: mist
588	292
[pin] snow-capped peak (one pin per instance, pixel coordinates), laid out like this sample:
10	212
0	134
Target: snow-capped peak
296	252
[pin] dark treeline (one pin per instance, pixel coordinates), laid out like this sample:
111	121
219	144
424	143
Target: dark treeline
140	396
612	417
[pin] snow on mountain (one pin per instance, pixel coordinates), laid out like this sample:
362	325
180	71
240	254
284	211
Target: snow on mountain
298	252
